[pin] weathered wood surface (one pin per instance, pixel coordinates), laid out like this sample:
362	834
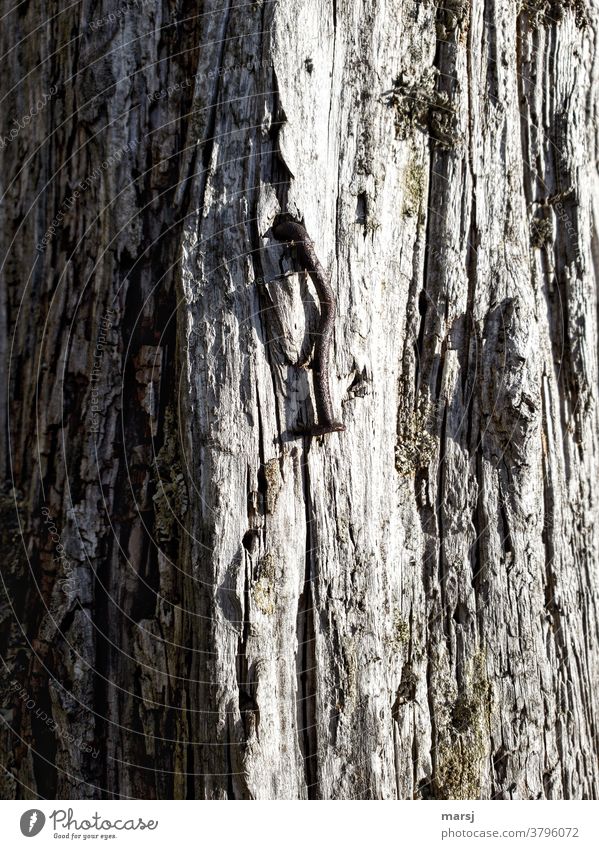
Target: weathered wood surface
404	610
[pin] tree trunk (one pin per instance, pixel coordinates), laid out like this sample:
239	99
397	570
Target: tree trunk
197	601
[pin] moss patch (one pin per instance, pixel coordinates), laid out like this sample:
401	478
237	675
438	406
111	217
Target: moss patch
541	232
419	106
401	630
548	13
414	184
263	591
272	475
462	749
452	17
416	443
406	692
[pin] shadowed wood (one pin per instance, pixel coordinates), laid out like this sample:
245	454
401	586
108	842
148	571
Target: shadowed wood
210	607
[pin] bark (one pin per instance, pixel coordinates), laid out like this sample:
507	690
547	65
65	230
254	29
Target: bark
196	603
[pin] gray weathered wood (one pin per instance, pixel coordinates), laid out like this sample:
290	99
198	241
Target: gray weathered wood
407	609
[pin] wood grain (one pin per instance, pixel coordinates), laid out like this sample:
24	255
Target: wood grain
405	610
